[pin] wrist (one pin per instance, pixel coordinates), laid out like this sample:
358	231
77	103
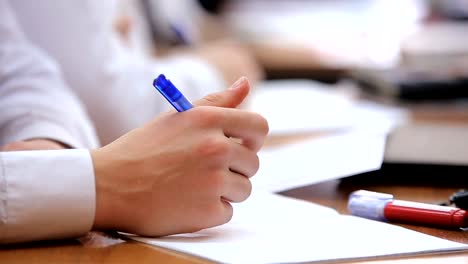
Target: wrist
34	144
103	213
112	201
51	143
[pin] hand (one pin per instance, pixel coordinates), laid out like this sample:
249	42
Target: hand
180	172
33	144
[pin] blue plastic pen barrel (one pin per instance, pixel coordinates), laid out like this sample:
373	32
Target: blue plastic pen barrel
171	93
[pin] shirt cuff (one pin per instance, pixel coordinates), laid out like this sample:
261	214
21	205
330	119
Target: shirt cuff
46	195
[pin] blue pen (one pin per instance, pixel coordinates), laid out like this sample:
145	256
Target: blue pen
171	93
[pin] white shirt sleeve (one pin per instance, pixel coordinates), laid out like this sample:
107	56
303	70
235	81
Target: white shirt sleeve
113	80
34	100
45	195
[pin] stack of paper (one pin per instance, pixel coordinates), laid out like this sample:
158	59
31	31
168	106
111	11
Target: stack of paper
318	160
296	106
269	228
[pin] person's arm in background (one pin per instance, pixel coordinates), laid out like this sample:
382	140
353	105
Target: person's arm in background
33	95
113	80
183	26
38	111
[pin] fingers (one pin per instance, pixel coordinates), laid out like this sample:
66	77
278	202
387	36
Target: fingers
251	128
226	212
243	161
237	187
229	98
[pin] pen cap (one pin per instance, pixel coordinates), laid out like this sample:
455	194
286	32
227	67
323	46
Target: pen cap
368	204
171	93
167	88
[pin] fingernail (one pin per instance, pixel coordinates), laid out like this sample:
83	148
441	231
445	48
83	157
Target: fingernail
238	83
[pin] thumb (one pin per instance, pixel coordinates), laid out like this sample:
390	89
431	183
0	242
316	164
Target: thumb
230	98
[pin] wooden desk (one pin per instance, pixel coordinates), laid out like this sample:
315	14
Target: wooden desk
102	248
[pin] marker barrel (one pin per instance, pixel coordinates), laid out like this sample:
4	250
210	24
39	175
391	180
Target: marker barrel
425	214
382	207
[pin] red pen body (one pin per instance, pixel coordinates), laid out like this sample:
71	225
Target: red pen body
383	207
425	214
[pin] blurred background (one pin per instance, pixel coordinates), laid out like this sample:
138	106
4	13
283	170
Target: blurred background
334	34
398	68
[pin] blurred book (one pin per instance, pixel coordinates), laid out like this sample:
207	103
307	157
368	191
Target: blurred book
415	84
437	44
422	154
428	143
434	66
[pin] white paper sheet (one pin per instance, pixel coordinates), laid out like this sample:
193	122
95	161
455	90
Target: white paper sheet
296	106
269	228
317	160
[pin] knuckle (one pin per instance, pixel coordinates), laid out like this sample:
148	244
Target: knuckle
214	147
246	191
263	124
214	213
227	213
212	99
218	212
206	116
256	165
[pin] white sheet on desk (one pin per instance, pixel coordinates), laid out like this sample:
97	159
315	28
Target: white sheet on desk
295	106
269	228
317	160
371	117
299	105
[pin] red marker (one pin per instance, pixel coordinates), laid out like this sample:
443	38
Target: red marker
383	207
